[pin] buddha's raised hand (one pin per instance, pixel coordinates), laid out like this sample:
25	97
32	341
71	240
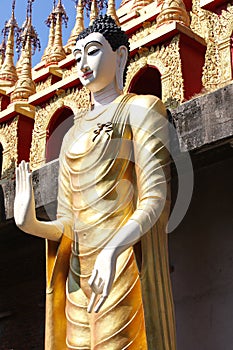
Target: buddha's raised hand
24	205
25	211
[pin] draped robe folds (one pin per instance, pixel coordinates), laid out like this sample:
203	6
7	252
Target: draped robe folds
118	170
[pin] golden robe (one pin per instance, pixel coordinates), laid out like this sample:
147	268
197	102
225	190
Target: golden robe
111	172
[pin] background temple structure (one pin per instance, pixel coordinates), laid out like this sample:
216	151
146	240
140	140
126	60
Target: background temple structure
181	51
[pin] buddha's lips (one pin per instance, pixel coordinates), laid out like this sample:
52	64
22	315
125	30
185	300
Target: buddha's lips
87	74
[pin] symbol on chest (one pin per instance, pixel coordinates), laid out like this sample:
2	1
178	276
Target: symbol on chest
106	127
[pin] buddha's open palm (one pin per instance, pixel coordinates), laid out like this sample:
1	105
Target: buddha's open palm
24	205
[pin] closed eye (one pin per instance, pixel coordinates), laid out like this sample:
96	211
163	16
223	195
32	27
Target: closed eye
92	52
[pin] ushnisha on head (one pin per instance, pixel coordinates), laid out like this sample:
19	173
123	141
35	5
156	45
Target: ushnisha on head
101	53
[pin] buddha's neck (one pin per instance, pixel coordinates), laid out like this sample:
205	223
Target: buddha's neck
105	96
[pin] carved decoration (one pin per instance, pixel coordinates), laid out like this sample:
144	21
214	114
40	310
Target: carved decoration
44	84
8	139
146	29
76	100
71	71
167	61
211	78
217	31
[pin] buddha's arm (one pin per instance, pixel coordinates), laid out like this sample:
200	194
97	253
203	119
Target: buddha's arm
24	206
150	136
150	142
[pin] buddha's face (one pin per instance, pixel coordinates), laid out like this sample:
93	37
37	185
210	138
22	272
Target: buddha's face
96	62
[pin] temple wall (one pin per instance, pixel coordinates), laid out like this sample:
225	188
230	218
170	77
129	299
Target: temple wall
22	290
201	254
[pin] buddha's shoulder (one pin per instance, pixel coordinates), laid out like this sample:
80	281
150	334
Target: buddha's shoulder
144	100
144	103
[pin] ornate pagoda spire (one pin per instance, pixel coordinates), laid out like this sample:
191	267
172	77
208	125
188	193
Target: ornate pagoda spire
58	53
138	4
18	65
8	75
50	22
173	10
78	27
112	11
28	41
25	86
94	11
2	52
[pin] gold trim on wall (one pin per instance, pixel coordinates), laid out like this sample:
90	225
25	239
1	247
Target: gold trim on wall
9	141
217	31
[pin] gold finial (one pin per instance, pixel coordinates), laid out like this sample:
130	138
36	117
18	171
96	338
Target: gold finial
49	47
50	22
57	53
25	86
29	40
79	25
26	30
173	10
8	75
112	11
94	11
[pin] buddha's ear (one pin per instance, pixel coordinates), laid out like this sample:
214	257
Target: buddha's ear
122	57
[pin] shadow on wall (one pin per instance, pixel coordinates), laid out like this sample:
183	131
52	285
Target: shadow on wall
147	81
60	123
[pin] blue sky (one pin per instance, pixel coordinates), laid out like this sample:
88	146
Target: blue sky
41	10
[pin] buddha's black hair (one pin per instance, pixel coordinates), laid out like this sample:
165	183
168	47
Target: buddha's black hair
106	25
